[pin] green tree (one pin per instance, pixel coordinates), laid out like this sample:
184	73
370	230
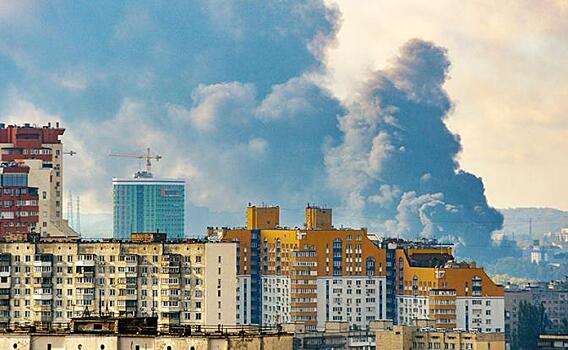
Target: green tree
564	326
532	323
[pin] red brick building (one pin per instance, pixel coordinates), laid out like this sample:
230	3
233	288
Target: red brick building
19	206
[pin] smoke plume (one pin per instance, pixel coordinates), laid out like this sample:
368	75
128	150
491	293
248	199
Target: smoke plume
396	165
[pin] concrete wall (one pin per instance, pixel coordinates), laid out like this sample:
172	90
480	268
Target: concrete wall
221	284
114	342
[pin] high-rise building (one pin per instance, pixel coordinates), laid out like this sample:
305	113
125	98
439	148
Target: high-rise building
18	202
312	275
146	204
47	283
319	274
42	151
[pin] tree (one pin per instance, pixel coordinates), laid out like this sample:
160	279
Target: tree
532	323
564	326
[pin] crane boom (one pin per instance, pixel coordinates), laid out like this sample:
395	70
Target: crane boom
148	157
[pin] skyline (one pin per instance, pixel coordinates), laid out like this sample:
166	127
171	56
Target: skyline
134	66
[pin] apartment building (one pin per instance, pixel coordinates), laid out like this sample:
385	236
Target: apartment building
18	201
41	150
311	275
514	296
319	274
47	283
552	295
428	284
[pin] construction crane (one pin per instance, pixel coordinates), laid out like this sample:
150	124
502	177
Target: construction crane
148	157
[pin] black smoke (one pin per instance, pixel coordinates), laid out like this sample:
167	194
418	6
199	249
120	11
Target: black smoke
396	166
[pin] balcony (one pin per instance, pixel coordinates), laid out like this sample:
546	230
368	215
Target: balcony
85	297
5	259
39	263
170	309
40	308
128	297
41	274
83	263
42	297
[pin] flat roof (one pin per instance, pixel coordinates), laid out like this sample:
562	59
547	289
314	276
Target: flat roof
147	181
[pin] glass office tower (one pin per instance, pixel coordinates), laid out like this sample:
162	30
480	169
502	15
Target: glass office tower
145	204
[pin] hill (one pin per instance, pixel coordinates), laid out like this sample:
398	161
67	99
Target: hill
542	220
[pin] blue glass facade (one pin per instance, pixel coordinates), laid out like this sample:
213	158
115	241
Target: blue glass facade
148	205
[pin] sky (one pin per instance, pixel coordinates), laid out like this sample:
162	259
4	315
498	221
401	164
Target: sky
287	103
507	80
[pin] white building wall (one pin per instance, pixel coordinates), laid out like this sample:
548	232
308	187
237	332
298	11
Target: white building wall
275	300
221	283
486	314
243	299
357	300
411	308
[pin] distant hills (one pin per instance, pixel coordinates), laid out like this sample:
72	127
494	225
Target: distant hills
542	220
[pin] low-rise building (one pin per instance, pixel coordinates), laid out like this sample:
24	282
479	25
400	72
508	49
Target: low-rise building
421	336
141	334
336	335
553	342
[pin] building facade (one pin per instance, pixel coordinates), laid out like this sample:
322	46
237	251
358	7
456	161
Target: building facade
18	201
320	274
553	296
146	204
552	342
106	333
41	149
312	275
423	337
514	296
46	284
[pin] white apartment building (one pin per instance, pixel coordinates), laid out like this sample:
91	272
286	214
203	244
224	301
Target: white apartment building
412	308
484	314
356	300
182	283
244	299
275	299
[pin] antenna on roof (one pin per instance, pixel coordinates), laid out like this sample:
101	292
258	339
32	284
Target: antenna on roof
78	221
70	210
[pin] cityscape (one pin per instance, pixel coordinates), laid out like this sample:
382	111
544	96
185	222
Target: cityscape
214	175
